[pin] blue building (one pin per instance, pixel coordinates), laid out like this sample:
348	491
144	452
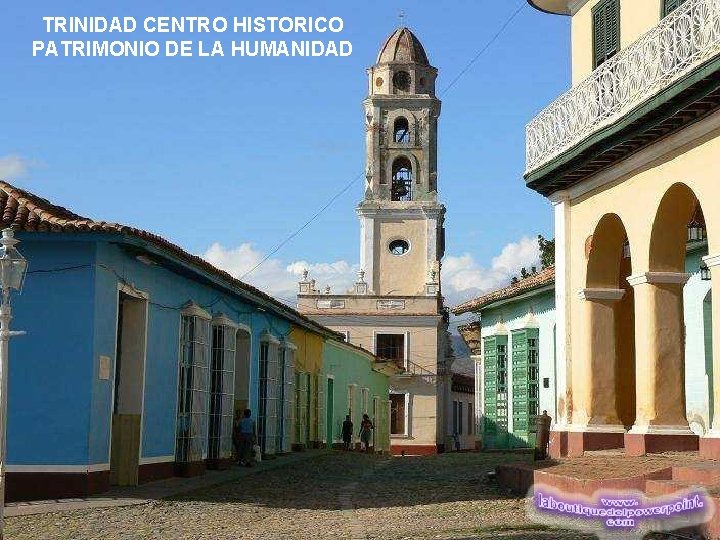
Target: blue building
136	358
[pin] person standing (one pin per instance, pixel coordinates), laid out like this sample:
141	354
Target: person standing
366	429
246	436
347	433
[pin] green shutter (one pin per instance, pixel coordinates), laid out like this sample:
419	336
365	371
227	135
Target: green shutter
598	35
502	389
520	381
490	385
606	30
525	386
671	5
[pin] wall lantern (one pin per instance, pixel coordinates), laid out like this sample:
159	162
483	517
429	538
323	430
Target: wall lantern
696	227
704	272
626	249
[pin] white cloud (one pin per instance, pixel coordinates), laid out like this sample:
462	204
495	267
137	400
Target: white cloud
463	277
13	166
277	278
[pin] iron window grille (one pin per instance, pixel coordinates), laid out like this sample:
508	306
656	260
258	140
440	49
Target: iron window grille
193	389
222	391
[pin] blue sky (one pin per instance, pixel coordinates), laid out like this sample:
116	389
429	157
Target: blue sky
236	153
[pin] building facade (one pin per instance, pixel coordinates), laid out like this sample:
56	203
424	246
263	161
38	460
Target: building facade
395	309
160	350
627	156
514	345
357	384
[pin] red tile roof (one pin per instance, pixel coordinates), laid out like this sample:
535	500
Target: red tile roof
535	281
25	211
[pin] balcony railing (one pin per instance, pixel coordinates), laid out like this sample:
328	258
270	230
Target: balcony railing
682	41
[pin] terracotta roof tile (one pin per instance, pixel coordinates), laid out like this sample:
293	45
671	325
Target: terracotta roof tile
25	211
542	278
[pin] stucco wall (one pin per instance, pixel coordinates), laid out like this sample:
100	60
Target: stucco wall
401	274
347	366
47	423
72	316
636	18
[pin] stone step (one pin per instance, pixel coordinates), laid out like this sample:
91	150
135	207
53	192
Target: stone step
656	488
702	474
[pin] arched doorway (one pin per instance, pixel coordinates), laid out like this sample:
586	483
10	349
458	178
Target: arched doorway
604	387
661	423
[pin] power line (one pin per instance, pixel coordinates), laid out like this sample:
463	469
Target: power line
303	227
485	48
347	187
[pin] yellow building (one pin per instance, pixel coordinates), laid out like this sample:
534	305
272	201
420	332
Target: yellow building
629	158
309	403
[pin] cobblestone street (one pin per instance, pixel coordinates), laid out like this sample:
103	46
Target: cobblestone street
328	496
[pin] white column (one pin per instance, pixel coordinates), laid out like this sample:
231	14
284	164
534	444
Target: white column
367	247
561	207
713	263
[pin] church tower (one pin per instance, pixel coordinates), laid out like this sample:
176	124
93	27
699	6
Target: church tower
402	234
395	308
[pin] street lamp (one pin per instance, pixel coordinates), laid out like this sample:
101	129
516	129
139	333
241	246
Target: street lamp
13	267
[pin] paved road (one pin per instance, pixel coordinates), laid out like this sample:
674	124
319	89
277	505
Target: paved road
333	496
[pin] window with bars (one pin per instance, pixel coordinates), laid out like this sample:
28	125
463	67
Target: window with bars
455	416
606	31
268	405
460	418
286	396
668	6
470	420
193	387
302	408
222	390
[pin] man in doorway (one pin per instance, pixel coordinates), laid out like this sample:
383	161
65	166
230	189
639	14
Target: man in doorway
246	437
347	433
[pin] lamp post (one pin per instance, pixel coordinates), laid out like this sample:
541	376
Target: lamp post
12	275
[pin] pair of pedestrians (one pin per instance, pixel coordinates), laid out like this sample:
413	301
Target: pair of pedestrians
366	429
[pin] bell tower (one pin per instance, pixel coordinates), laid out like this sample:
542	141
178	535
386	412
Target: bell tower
395	308
401	221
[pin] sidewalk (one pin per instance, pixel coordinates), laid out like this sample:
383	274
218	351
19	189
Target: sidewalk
162	489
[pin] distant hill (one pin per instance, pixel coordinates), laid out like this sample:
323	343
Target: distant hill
463	363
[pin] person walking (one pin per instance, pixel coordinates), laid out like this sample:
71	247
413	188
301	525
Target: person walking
246	436
366	429
347	433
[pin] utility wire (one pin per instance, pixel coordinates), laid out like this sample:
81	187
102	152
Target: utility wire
482	51
303	227
350	184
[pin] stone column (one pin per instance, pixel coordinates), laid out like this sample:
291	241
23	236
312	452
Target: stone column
660	420
558	446
710	444
595	424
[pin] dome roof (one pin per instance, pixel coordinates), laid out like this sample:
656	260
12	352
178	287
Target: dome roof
402	47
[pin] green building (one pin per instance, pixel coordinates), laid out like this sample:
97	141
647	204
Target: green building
357	383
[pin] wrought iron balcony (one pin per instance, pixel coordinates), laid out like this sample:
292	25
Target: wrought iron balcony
683	41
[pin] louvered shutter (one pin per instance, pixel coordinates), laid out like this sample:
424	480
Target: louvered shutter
598	35
671	5
490	384
520	381
606	30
